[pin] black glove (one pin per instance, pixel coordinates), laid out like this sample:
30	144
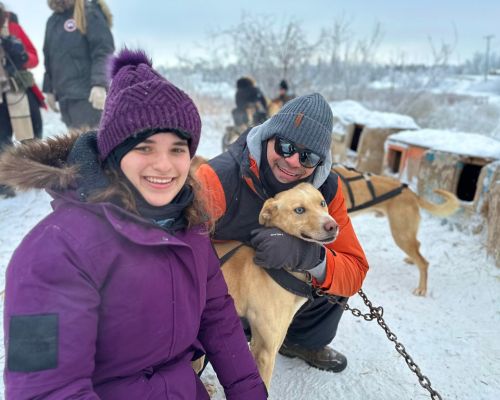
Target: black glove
276	249
15	50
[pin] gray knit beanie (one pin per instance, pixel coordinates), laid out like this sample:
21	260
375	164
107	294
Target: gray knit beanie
305	120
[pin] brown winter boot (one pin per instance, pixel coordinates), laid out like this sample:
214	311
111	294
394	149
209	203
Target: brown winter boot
324	358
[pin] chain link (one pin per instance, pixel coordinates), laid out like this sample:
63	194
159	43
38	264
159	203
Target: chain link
377	313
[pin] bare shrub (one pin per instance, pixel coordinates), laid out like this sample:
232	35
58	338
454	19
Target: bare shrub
440	110
351	62
465	116
260	47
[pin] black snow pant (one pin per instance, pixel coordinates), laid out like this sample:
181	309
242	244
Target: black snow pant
315	324
6	126
79	114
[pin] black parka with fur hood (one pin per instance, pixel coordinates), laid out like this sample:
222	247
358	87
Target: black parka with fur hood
75	62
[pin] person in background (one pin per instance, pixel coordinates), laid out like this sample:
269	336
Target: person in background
283	97
78	41
115	292
283	94
251	104
20	98
291	147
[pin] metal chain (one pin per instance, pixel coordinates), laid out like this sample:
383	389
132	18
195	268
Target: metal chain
377	313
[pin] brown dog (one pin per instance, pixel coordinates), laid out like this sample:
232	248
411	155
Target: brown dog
402	212
268	307
274	106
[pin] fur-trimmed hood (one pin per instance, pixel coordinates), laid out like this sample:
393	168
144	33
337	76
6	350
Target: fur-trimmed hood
60	6
79	7
39	164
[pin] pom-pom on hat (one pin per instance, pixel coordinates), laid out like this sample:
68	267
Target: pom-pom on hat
141	100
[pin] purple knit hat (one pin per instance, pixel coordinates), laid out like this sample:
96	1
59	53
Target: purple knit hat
140	99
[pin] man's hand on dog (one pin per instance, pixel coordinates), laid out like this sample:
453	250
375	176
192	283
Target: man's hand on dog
275	249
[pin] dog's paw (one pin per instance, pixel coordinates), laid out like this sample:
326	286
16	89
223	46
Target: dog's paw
420	292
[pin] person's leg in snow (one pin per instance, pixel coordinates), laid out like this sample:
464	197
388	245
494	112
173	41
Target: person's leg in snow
5	141
79	113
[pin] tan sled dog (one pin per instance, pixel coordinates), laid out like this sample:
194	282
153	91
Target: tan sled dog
402	212
274	106
268	307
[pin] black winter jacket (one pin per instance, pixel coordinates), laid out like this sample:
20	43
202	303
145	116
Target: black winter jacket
75	62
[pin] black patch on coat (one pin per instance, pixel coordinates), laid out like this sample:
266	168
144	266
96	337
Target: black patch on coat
33	342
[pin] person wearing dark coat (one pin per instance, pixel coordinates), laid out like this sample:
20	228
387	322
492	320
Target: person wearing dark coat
251	104
78	41
283	94
118	290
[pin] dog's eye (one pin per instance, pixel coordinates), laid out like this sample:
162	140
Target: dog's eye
323	203
300	210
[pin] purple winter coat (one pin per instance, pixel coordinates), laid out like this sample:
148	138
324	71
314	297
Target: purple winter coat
119	308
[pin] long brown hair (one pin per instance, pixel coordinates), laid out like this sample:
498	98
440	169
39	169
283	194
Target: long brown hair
79	14
119	191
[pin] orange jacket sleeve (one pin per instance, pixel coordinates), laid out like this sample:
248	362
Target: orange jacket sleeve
211	191
346	264
17	31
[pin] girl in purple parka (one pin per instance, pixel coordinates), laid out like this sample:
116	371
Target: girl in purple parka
115	292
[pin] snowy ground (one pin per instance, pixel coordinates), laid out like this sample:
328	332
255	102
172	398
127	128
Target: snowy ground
452	334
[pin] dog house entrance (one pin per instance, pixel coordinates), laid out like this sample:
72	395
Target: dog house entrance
356	136
467	183
394	160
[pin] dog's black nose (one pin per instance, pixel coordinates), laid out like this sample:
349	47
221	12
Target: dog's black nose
330	226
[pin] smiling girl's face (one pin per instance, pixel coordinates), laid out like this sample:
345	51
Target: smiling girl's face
158	167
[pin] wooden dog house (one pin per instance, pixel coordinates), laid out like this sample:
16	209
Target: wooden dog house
455	161
402	160
493	216
493	219
359	134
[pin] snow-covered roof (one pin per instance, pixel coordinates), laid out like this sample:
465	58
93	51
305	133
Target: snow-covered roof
351	112
468	144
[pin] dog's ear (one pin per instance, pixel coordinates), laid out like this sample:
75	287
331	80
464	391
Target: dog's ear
267	212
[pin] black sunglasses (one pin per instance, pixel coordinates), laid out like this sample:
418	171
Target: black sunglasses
285	148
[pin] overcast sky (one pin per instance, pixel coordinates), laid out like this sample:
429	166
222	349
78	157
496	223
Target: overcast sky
167	28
